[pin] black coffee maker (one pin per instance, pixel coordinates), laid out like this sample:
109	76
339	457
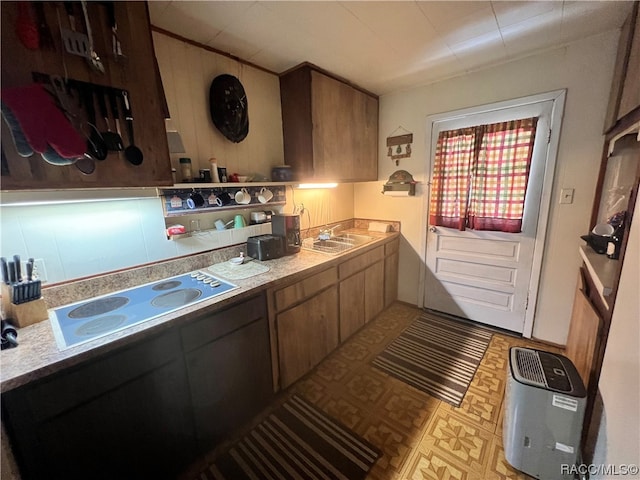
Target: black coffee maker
287	226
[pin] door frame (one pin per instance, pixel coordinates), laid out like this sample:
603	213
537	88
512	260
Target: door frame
557	112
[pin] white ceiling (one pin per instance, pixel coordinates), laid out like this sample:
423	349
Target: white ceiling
386	45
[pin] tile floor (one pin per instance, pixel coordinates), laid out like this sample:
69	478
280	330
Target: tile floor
420	437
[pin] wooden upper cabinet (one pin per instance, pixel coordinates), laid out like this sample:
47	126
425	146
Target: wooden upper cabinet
624	97
330	128
135	72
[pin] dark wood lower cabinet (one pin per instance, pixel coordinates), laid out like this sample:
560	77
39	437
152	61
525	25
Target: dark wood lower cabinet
147	410
124	416
229	370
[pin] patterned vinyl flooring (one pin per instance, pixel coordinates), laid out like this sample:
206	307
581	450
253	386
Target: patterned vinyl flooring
421	438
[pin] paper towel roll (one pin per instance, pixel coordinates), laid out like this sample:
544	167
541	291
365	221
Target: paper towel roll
397	193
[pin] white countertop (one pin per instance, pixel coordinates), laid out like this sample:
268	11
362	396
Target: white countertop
602	270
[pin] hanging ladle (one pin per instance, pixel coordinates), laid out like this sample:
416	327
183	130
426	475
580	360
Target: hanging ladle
132	153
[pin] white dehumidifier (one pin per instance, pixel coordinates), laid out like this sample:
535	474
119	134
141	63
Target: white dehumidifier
544	408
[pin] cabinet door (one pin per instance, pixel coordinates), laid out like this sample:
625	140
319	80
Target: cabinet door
583	338
142	428
230	381
390	279
126	415
391	272
345	131
306	334
373	291
351	305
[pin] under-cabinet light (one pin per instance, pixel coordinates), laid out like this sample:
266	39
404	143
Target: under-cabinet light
61	197
317	185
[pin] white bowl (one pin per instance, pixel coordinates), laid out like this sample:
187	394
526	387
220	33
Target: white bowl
603	229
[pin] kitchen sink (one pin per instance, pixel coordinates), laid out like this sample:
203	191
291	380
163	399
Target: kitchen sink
336	244
354	238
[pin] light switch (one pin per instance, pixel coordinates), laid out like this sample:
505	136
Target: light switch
566	195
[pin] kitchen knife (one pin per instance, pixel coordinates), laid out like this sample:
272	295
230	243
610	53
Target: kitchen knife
12	272
12	281
30	269
17	266
5	271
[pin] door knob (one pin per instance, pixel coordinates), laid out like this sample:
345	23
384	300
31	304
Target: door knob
433	229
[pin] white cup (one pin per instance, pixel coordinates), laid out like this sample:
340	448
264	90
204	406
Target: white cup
265	195
213	200
219	225
242	196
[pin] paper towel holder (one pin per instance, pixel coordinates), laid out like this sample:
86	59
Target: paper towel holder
400	183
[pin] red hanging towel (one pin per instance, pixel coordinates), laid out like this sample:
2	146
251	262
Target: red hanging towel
42	122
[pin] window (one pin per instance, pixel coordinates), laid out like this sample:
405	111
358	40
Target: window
480	176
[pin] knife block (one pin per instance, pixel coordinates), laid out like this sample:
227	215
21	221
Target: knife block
23	314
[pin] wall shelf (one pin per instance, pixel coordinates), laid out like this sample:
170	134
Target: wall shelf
249	229
174	200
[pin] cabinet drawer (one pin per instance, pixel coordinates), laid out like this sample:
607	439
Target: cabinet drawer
391	247
75	386
297	292
361	262
216	325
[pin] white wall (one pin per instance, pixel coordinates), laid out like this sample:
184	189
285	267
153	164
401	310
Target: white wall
585	69
83	239
619	436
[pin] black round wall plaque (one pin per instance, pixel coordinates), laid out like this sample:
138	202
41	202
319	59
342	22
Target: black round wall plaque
229	107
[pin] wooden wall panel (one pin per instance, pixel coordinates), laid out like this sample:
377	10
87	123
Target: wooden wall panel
187	72
136	73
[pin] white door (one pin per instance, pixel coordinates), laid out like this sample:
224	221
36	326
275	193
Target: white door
485	276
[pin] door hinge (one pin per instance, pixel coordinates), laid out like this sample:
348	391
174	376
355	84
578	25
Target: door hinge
549	137
526	303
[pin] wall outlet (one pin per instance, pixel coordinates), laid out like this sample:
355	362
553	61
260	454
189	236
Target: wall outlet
39	270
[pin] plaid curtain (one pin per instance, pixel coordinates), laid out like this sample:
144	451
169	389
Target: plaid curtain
480	176
455	151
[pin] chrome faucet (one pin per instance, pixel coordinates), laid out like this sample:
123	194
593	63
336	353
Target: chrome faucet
326	233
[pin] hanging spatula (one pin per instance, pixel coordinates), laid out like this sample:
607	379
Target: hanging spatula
75	43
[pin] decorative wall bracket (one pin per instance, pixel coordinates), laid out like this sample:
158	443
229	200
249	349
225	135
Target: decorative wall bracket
399	146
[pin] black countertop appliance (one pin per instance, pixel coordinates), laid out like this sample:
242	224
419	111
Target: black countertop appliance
287	225
265	247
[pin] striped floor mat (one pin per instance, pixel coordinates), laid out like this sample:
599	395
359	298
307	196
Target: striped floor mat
437	356
297	441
